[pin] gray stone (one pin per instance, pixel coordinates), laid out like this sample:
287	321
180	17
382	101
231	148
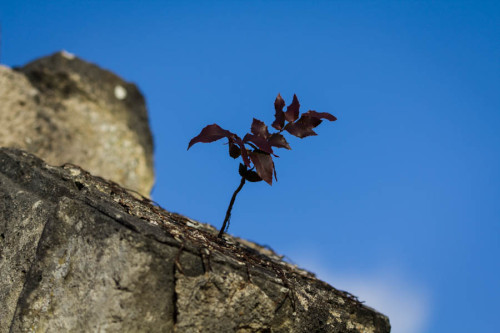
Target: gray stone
81	254
66	110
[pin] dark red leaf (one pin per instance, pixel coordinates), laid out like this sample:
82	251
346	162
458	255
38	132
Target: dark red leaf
279	116
278	140
320	115
299	131
211	133
249	175
264	165
259	141
243	150
234	149
292	111
303	127
259	128
309	120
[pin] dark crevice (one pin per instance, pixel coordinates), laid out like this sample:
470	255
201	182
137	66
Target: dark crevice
79	185
203	263
175	310
27	279
118	286
281	303
116	319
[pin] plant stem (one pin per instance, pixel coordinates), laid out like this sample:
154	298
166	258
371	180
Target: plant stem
228	213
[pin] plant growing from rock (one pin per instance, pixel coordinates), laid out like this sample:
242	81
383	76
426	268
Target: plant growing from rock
256	147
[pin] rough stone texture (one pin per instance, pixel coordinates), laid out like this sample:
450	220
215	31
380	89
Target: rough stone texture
81	254
64	109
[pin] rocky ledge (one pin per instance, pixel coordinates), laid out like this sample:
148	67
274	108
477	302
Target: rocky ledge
81	254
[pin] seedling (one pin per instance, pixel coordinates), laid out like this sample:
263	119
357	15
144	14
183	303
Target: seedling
256	147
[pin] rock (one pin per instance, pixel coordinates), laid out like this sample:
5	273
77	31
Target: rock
81	254
65	109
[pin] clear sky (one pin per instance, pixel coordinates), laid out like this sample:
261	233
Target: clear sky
397	202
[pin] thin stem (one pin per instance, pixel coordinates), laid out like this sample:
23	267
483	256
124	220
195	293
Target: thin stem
252	145
228	213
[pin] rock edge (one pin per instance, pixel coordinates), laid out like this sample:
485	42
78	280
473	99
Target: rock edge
80	253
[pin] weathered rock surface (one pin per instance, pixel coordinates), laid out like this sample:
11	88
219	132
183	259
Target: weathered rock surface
65	109
81	254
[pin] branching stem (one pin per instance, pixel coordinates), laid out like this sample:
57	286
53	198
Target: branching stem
225	225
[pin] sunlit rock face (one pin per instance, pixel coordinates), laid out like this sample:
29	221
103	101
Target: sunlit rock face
66	110
81	254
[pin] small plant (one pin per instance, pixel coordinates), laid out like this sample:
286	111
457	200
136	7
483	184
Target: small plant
261	143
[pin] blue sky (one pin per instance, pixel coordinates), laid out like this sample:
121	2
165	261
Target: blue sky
397	201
